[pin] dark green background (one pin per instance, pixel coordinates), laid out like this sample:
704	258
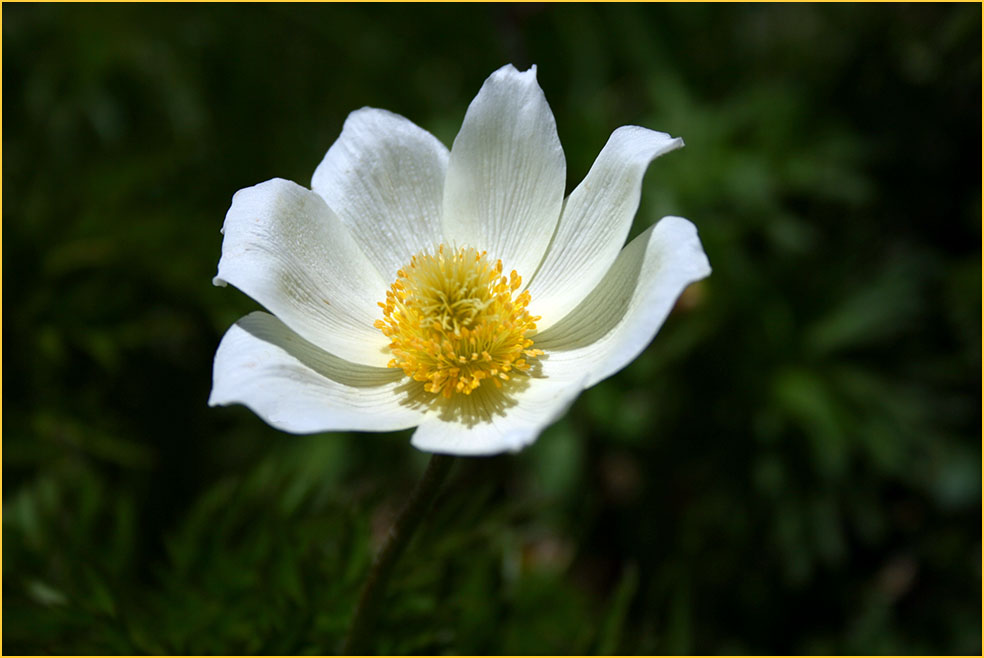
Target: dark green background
794	465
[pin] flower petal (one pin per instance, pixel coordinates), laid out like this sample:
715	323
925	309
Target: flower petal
384	178
596	218
619	318
284	248
491	420
506	176
296	387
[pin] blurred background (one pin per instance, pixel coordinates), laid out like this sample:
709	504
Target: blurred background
794	465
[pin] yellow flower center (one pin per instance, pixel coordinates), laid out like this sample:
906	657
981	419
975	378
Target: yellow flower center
453	322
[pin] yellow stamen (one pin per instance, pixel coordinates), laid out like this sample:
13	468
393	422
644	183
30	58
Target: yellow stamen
453	322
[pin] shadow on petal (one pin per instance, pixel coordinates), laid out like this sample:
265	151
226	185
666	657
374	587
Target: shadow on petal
271	330
604	307
483	405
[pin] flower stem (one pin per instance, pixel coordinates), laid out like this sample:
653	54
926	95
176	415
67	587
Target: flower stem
399	536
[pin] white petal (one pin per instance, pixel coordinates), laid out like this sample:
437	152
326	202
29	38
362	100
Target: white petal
384	178
490	420
297	387
596	218
284	248
619	318
506	177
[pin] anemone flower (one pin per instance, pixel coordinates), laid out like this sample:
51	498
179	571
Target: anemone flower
457	291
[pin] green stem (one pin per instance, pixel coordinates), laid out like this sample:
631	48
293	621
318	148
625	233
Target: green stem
399	536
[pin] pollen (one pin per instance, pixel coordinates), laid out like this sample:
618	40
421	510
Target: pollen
454	320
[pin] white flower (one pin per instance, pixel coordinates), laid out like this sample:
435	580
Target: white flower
458	292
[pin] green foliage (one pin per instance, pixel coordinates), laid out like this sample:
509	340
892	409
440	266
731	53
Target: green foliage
793	466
